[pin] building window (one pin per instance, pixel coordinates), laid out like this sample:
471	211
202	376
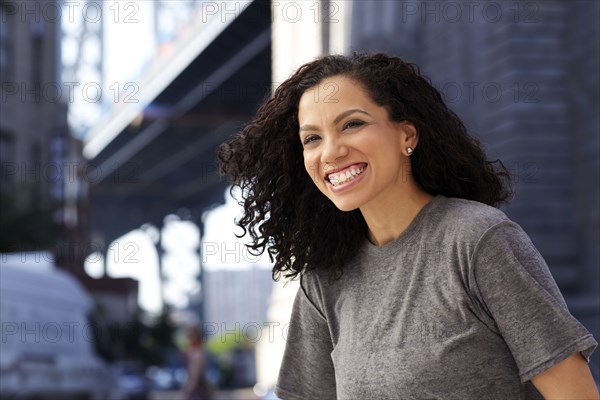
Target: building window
37	49
7	161
6	42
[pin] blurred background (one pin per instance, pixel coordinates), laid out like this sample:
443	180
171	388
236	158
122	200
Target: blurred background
117	233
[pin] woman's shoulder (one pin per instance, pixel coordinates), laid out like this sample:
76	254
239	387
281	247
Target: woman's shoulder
312	282
463	208
468	218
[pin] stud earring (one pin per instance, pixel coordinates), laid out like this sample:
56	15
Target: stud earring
409	150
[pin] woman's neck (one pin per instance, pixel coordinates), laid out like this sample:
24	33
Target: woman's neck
389	218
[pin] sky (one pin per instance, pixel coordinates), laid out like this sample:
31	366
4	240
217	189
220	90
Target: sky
129	40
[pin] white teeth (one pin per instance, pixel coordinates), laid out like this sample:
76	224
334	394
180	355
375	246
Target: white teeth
345	176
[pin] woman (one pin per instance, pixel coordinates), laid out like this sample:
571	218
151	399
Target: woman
196	387
357	177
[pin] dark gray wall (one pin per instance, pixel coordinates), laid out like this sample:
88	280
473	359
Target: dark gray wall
523	75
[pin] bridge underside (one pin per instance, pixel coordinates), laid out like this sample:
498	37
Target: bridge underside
165	161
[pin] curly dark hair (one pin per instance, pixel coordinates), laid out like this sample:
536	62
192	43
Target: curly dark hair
285	213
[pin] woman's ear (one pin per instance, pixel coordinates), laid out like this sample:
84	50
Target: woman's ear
409	136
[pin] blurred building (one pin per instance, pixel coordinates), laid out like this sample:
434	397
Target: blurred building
42	180
29	66
524	78
116	298
42	187
237	299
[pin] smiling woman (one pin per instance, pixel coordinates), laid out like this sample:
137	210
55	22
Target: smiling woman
358	178
361	155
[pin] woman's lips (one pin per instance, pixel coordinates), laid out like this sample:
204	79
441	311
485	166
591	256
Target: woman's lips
341	173
347	182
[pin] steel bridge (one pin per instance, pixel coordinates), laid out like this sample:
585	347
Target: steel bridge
156	156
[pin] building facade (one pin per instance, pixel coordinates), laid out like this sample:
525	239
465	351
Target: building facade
524	78
40	178
237	301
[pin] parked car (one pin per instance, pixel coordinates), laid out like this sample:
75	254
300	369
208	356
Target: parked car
132	383
48	342
167	378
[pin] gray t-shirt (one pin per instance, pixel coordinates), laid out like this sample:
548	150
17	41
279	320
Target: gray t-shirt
460	306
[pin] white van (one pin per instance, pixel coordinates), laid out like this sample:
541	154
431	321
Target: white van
47	342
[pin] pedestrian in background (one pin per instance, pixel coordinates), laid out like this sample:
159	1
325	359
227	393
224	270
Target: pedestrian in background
357	178
196	387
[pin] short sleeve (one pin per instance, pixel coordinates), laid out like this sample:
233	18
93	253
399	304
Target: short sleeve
514	286
307	368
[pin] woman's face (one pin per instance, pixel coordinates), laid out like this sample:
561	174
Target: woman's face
352	151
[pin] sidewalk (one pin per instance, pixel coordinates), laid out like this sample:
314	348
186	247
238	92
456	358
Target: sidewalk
238	394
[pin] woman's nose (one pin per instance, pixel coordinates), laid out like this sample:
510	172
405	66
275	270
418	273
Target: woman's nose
333	149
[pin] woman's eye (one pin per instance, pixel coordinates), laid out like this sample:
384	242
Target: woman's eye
353	124
309	138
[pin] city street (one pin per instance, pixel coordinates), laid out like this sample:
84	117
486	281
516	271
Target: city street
239	394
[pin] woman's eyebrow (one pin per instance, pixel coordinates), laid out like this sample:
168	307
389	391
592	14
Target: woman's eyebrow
347	113
308	128
336	120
